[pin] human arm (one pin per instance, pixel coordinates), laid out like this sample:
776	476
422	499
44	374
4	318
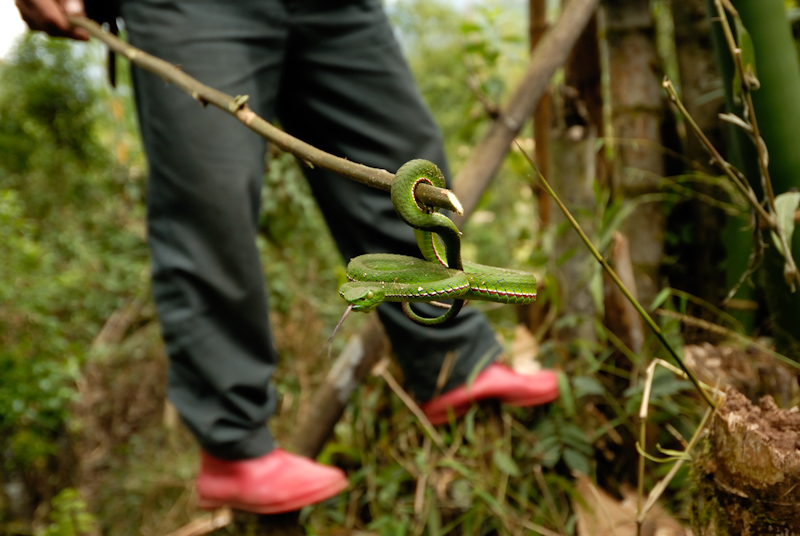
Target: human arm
50	16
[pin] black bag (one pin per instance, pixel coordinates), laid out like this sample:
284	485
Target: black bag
105	13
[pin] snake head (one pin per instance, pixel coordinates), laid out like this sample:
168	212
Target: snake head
363	297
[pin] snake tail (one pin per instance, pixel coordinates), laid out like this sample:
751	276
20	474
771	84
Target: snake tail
433	321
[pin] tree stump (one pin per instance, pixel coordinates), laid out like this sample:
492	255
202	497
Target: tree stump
749	472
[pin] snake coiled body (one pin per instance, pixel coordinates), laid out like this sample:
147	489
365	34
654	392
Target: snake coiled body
375	278
406	279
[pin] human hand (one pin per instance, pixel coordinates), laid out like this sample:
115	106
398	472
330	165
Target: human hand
50	16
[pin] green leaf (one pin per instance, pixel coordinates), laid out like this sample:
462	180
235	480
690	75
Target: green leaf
745	43
576	439
469	428
469	27
587	385
597	290
670	459
566	397
660	298
476	47
488	499
505	463
70	515
680	454
434	525
548	451
668	387
577	461
462	469
785	206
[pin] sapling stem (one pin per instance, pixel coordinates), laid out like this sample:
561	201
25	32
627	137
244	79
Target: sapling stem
610	271
659	488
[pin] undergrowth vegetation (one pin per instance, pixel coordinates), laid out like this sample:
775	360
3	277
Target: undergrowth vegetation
87	442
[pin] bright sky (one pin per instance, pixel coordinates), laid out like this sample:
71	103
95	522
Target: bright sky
11	26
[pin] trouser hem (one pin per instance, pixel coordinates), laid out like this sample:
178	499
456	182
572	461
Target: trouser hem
255	446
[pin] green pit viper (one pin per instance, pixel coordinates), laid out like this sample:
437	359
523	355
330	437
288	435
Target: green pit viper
378	277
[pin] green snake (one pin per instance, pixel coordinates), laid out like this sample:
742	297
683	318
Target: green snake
378	277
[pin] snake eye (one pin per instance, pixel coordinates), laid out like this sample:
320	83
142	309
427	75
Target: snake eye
370	295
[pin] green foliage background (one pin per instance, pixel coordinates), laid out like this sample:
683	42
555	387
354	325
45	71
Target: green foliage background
71	247
72	252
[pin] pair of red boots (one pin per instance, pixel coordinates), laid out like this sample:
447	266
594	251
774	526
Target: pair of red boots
283	482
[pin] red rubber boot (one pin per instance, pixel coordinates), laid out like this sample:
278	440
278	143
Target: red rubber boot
496	382
274	483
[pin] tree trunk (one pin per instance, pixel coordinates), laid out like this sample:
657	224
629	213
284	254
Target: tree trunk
700	76
574	170
541	116
574	155
532	315
638	114
699	268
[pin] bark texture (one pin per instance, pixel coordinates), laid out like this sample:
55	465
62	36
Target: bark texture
360	355
701	82
541	116
750	471
573	175
575	165
638	115
621	317
699	269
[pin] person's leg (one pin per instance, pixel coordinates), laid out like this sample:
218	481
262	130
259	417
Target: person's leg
203	198
203	210
347	90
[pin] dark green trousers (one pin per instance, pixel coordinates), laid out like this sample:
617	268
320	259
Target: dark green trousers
332	73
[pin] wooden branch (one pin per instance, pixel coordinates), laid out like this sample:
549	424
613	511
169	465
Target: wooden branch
550	53
237	107
537	28
621	317
119	322
360	355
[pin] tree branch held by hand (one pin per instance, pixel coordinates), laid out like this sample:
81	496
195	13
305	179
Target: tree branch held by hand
237	106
